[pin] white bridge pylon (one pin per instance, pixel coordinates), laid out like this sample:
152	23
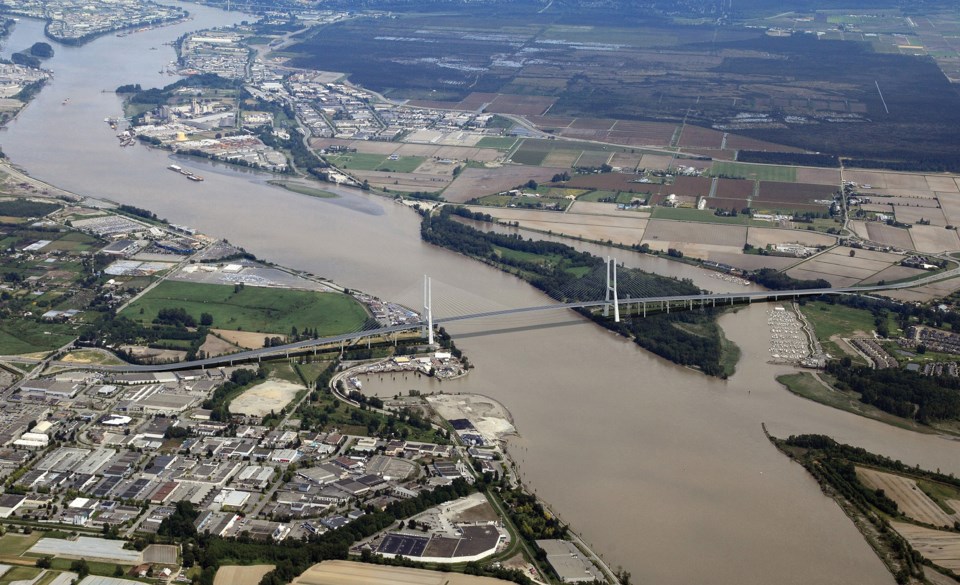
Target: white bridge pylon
428	308
612	291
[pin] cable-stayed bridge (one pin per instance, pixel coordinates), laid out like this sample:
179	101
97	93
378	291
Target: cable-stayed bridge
611	298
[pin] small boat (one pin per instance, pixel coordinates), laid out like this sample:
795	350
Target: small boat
196	178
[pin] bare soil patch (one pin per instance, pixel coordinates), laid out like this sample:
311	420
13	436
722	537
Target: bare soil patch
246	339
214	346
264	398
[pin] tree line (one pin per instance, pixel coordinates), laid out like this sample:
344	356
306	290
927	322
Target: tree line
686	338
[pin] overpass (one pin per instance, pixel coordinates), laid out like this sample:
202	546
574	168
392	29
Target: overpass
633	306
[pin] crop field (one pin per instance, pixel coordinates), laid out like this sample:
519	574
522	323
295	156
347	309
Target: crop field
626	161
562	158
627	228
500	143
932	238
585	207
728	203
245	575
893	274
761	237
253	308
889	235
409	182
795	194
738	142
656	162
940	547
911	200
909	497
688	187
476	182
693	233
837	266
734	189
757	172
592	159
356	573
521	105
697	215
694	136
818	176
612	182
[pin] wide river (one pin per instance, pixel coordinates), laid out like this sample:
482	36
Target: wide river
662	470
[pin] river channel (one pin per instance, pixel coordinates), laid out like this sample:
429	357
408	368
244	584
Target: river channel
662	470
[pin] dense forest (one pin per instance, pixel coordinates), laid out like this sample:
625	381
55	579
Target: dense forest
686	338
908	394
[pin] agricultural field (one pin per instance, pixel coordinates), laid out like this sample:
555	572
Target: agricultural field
940	547
676	234
762	237
704	216
407	182
477	182
627	228
245	575
910	499
934	239
251	308
756	172
839	268
794	196
356	573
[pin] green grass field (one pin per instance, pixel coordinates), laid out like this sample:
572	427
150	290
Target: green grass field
357	161
25	336
829	320
14	545
404	164
706	216
19	573
497	142
753	171
254	308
